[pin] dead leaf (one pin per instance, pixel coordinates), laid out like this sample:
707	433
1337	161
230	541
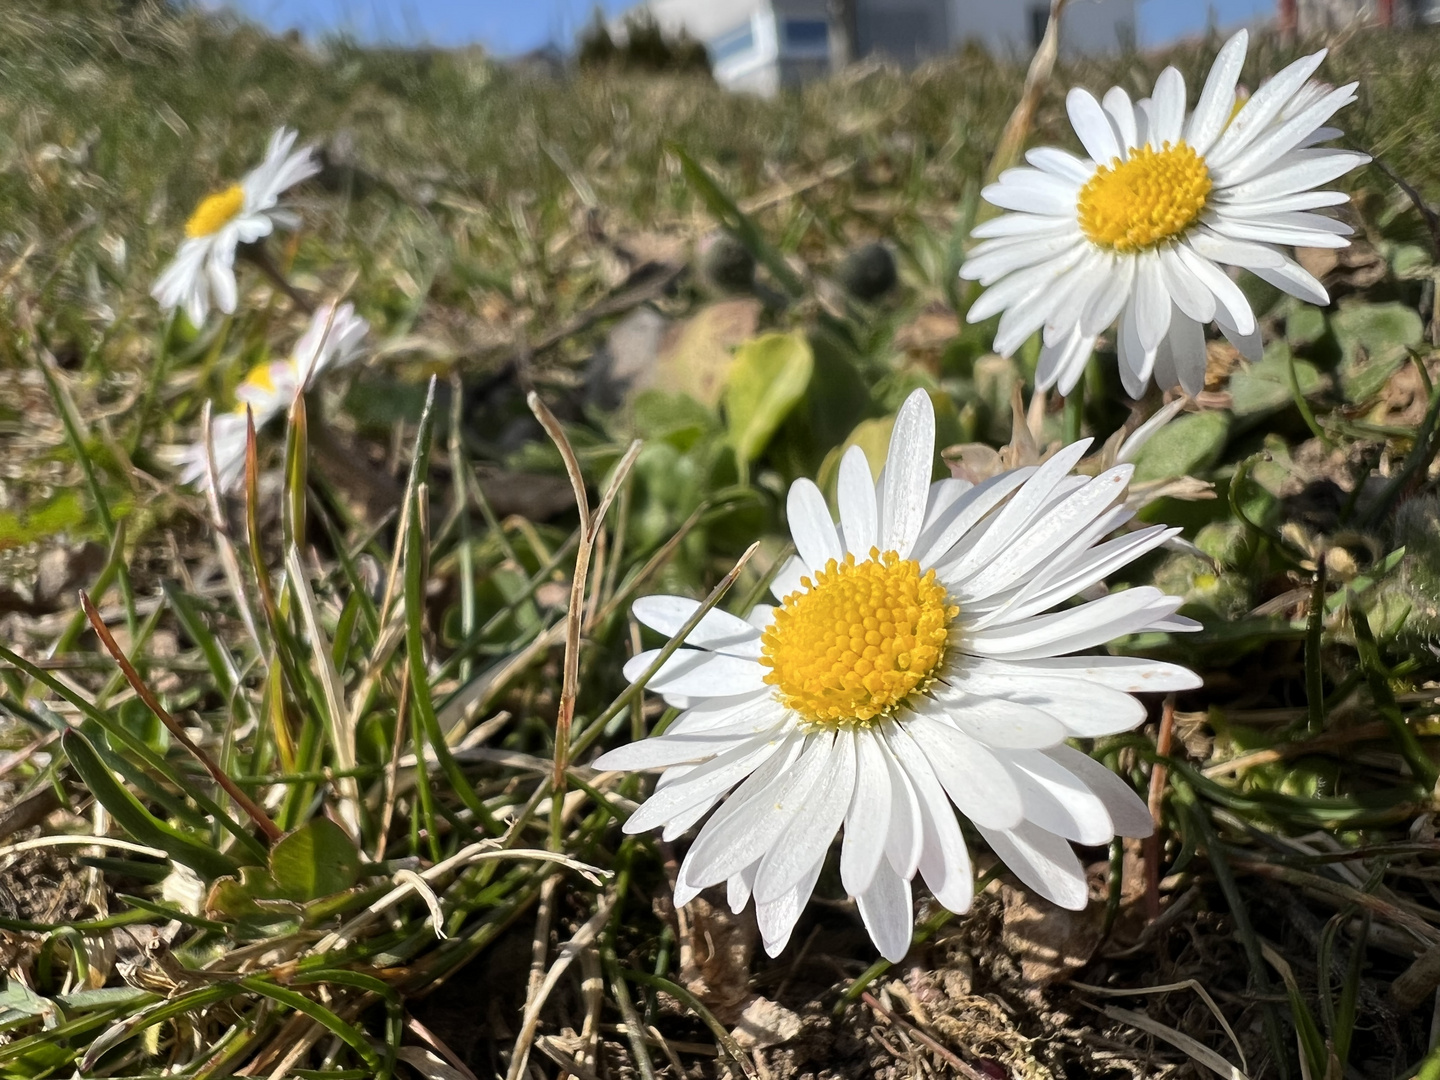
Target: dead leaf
1221	358
1317	261
1050	942
695	358
715	951
764	1023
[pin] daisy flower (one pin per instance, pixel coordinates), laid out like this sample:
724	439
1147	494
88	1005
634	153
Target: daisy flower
1141	230
334	338
908	670
203	270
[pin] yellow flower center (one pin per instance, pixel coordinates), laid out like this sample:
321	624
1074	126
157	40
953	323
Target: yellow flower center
259	378
215	212
857	640
1140	202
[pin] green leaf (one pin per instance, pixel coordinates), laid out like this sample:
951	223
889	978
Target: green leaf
1265	387
769	378
315	860
1184	447
143	826
1304	326
1374	341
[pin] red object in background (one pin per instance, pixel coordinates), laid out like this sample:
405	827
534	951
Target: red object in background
1386	12
1289	17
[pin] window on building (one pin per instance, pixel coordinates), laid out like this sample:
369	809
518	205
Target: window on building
736	43
1039	19
806	35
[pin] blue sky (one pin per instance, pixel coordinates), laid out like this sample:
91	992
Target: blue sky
509	26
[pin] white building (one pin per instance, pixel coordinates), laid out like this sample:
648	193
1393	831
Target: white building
762	45
1316	17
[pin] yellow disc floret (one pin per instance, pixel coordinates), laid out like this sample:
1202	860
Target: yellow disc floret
859	639
1145	200
215	212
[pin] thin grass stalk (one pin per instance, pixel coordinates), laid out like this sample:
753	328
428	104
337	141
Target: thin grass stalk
342	733
575	611
251	808
1017	127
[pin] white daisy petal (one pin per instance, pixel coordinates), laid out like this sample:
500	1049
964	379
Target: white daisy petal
1136	361
718	630
1023	286
970	772
1081	627
944	859
1186	346
1217	99
811	525
855	493
669	750
1062	364
1059	163
724	715
1005	526
1031	190
944	494
804	841
905	839
1264	105
1152	302
867	822
705	782
1043	861
1302	200
1092	126
739	889
1167	116
1226	292
1297	229
988	267
1001	723
1265	150
750	821
1073	571
1305	169
906	483
1084	710
1118	107
1129	816
1049	535
777	918
695	673
1188	292
888	912
1294	279
1109	298
1057	800
1128	674
1027	225
1247	341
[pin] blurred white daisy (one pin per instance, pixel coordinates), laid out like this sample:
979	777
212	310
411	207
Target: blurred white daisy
909	670
334	338
203	270
1141	230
